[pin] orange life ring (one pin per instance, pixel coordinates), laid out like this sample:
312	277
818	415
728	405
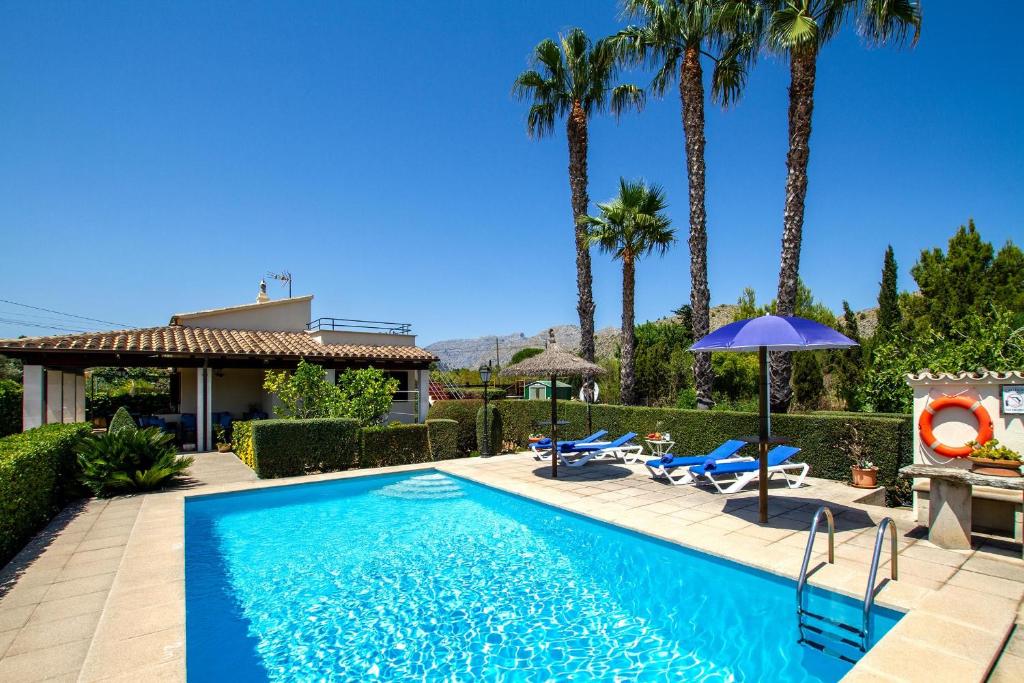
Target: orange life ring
924	424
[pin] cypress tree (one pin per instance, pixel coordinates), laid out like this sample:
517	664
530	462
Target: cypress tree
889	317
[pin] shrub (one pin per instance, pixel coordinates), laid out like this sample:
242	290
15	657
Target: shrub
129	460
463	412
122	421
287	448
241	439
10	407
35	466
398	445
494	430
366	395
493	393
303	394
888	439
444	439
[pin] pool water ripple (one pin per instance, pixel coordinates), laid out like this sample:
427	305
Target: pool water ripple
428	577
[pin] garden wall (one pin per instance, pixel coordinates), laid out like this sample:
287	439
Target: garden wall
37	473
821	436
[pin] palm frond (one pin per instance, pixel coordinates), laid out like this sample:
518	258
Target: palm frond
627	97
541	119
793	28
633	223
891	21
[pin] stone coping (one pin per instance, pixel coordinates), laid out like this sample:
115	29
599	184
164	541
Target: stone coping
960	605
961	476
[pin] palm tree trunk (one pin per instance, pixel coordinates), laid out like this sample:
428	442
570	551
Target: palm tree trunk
691	94
801	103
628	370
577	135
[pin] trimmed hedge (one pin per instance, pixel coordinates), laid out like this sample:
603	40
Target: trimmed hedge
241	442
494	429
888	439
122	420
463	412
396	445
286	448
10	407
37	467
444	439
493	393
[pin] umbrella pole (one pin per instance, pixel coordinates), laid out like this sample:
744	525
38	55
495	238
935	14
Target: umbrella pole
554	427
762	436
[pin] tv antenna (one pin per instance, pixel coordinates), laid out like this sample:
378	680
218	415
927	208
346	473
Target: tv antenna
282	277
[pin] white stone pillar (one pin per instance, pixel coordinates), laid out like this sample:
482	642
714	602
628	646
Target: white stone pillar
67	398
33	397
204	399
79	398
424	395
54	396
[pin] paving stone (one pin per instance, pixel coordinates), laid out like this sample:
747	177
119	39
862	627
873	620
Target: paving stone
39	665
38	635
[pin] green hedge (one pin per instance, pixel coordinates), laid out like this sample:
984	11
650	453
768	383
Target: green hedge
494	429
888	439
10	407
396	445
463	412
37	467
493	393
285	448
444	439
241	442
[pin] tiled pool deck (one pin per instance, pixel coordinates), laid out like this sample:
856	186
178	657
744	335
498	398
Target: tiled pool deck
99	594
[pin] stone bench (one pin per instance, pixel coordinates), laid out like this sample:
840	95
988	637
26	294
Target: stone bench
951	501
992	509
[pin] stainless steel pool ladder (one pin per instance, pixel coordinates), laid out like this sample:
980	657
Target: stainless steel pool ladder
803	614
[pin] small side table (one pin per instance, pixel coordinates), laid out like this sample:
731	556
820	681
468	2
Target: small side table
659	447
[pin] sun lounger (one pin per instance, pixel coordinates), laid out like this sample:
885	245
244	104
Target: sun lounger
620	449
542	449
731	477
676	468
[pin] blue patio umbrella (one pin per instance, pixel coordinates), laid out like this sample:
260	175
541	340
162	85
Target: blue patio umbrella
764	334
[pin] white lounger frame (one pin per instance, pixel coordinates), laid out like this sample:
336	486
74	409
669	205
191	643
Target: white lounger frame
545	453
741	479
625	453
685	476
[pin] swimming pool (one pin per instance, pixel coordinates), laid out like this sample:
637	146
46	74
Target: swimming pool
424	576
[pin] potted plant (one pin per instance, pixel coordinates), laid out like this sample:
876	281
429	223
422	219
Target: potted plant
862	470
534	438
223	445
991	456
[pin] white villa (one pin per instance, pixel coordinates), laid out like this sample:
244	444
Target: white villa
217	360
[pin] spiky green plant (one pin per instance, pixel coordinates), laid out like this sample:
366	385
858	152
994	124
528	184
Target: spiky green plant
129	460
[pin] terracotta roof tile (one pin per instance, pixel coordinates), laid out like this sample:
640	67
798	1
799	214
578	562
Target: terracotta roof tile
205	341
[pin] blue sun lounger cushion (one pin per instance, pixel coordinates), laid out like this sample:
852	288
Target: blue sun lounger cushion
776	456
726	450
546	441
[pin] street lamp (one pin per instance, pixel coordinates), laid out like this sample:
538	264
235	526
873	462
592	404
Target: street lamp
485	377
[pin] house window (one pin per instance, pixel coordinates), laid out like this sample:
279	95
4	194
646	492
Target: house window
403	385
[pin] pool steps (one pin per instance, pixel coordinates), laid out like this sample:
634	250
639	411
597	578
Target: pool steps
424	487
847	630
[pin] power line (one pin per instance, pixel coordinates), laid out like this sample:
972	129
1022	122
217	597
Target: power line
14	321
69	315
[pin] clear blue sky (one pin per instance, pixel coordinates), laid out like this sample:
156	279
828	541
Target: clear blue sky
162	156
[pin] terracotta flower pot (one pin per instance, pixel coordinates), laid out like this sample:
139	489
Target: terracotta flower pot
999	468
223	448
865	478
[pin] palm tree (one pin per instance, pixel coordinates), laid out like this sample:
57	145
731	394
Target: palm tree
672	38
799	29
630	226
574	78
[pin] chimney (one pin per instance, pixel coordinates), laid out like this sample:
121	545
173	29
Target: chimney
262	297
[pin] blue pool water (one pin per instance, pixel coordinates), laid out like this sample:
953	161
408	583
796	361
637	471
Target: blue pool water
429	577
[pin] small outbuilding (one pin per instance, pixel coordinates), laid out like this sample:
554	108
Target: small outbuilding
541	390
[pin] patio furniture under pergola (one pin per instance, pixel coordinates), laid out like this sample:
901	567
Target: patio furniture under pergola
553	362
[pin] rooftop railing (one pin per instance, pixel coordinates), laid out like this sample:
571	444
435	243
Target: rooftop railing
343	324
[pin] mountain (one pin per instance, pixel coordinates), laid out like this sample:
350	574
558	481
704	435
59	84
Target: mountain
472	353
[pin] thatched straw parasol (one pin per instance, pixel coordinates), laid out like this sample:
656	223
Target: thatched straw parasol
553	362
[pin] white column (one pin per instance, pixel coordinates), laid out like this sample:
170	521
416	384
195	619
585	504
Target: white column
32	399
424	397
67	398
54	396
79	398
204	398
